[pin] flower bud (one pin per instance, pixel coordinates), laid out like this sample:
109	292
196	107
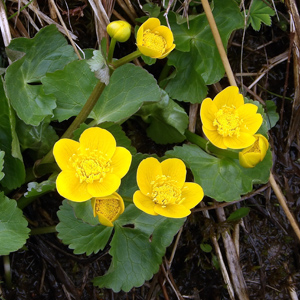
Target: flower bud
252	155
108	208
119	30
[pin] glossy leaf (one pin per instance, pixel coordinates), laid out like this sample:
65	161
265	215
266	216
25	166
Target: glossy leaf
48	51
129	87
196	59
167	119
2	153
13	226
137	252
239	214
71	87
13	167
222	179
80	236
259	13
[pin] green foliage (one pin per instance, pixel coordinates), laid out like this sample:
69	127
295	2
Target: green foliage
206	248
272	115
129	87
222	179
35	189
13	226
80	236
167	119
239	214
2	153
196	58
137	252
13	166
259	13
47	52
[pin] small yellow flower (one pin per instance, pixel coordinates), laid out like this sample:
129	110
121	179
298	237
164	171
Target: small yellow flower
108	209
254	154
92	167
119	30
155	40
228	122
163	190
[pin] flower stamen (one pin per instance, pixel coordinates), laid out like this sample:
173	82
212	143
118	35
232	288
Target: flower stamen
154	41
109	208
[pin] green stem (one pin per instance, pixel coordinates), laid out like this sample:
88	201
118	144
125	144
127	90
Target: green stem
81	117
164	73
17	12
124	60
111	50
43	230
208	147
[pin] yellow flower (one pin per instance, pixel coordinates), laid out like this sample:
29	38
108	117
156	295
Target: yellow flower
155	40
92	167
119	30
163	190
108	208
228	122
254	154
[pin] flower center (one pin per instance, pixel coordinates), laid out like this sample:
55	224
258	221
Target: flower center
228	121
91	166
255	147
165	191
109	208
154	41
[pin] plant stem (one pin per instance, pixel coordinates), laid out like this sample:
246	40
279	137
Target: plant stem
43	230
120	62
208	147
7	271
111	50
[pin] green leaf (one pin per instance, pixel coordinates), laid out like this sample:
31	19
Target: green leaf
39	138
2	153
272	116
48	51
129	87
80	236
222	179
206	248
259	13
196	57
239	214
13	169
137	252
13	226
98	65
36	189
71	86
167	119
152	9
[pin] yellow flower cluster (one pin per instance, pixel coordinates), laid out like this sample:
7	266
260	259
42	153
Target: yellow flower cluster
228	122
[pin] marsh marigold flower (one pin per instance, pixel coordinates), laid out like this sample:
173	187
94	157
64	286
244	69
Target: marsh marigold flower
228	122
163	190
92	167
108	209
251	156
155	40
119	30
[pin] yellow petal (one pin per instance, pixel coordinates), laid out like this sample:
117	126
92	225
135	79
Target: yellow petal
167	52
105	221
172	211
144	203
63	150
243	141
244	161
151	23
207	113
109	185
229	96
120	162
175	168
96	138
251	125
263	145
215	138
147	172
149	52
192	193
68	186
165	32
